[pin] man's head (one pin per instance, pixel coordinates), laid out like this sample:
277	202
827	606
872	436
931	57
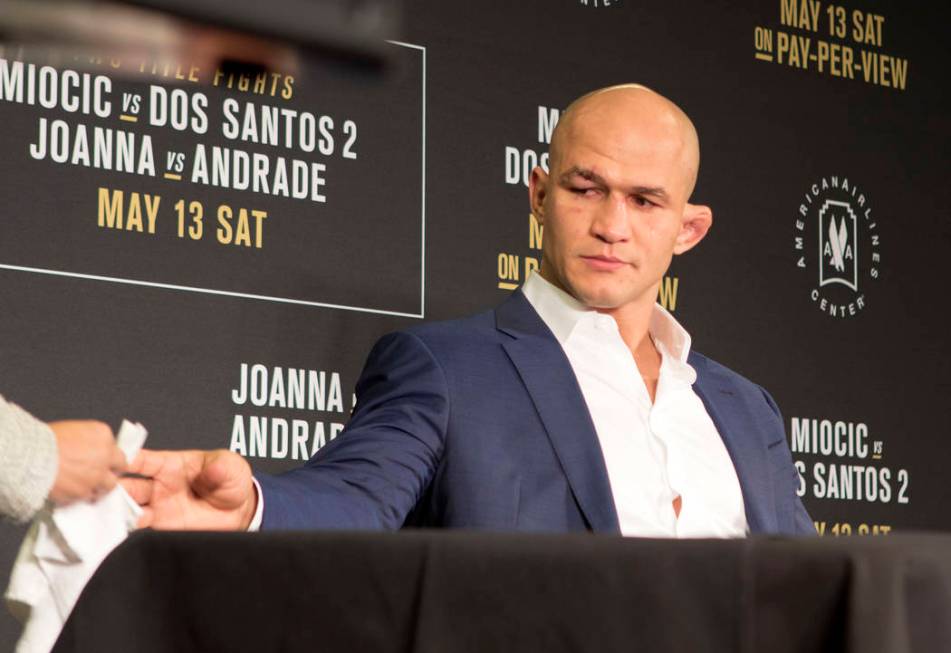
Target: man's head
623	162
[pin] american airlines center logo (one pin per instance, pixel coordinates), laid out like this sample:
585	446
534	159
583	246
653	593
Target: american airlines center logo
837	244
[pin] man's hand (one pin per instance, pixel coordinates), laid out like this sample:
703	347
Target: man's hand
192	490
88	461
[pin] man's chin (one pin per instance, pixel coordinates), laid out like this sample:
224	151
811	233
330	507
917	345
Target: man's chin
600	300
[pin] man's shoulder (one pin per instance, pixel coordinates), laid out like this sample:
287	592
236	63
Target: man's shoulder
457	345
474	340
482	322
486	327
442	336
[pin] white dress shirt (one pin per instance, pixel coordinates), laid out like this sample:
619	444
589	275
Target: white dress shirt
654	452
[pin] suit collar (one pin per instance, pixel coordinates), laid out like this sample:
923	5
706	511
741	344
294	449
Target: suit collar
516	317
550	381
736	425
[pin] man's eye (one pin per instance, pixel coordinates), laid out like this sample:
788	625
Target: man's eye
642	201
584	190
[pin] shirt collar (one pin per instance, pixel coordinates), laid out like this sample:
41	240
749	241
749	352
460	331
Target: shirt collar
561	313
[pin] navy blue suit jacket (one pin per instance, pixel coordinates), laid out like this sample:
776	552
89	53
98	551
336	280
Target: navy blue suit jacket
479	423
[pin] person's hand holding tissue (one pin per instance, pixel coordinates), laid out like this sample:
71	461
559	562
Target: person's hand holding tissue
89	461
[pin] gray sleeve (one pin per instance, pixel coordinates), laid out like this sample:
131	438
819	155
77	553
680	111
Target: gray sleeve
28	462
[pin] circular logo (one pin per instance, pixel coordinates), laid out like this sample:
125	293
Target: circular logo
836	243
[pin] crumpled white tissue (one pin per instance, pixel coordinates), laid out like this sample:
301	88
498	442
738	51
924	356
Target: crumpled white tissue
62	550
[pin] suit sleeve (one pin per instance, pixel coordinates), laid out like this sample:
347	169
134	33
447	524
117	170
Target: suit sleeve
788	483
375	471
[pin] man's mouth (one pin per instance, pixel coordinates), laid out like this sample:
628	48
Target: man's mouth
604	263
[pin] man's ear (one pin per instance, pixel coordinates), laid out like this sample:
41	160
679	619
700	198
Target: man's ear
696	223
537	191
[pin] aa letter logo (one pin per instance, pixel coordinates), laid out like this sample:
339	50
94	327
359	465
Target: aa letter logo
835	221
838	246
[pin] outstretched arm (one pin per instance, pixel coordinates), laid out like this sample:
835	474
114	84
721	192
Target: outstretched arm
379	467
370	477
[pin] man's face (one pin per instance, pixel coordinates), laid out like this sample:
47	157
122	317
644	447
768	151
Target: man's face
613	207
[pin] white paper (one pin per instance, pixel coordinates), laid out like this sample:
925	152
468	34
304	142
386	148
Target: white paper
63	549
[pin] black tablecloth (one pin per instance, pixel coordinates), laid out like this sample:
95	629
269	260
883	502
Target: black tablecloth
487	593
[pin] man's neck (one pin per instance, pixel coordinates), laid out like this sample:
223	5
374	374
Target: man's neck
634	326
633	322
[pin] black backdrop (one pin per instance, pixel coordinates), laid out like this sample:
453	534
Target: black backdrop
829	193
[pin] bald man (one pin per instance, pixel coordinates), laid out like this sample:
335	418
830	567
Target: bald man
575	405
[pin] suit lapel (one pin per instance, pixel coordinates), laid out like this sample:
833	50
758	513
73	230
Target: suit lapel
734	422
550	381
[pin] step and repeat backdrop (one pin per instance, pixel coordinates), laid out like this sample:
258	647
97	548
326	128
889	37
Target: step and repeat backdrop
212	252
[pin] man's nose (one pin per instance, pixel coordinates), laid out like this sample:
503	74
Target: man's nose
612	220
